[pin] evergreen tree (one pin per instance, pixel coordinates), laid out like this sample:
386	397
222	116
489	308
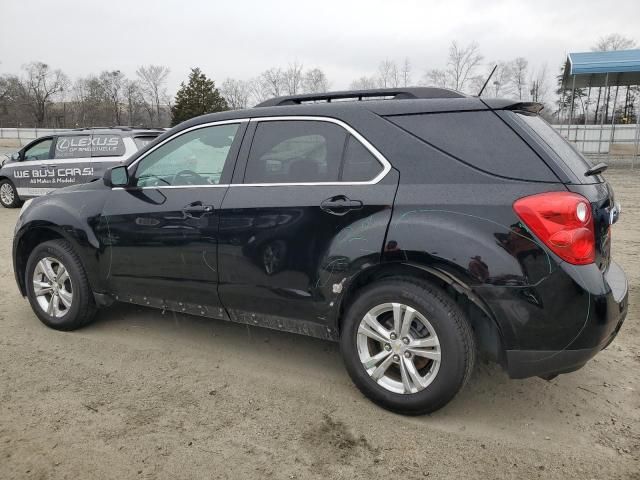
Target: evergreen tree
197	97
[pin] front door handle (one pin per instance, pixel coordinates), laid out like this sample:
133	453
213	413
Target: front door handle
340	205
197	209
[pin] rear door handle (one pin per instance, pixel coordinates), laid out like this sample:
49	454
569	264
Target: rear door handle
340	205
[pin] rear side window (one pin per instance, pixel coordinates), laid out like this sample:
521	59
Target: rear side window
85	146
480	139
295	152
76	146
359	163
105	145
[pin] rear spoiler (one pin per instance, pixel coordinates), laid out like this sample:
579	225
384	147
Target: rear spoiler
503	104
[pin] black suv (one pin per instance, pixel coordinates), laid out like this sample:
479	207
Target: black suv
417	227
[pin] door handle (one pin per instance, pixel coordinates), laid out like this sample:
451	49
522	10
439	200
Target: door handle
196	209
340	205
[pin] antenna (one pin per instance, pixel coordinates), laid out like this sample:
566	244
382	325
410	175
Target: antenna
487	80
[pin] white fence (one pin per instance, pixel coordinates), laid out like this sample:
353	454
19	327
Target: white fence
17	137
594	139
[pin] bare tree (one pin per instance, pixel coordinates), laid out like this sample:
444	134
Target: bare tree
501	80
90	101
272	83
39	88
613	41
315	81
133	99
519	68
388	75
257	92
539	86
9	89
153	79
436	78
462	63
113	84
236	93
292	78
405	73
364	83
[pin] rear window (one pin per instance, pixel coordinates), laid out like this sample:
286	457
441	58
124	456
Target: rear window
555	142
480	139
142	142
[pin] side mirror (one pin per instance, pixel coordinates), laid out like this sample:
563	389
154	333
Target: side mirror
116	176
15	156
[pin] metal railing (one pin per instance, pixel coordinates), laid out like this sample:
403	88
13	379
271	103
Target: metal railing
621	140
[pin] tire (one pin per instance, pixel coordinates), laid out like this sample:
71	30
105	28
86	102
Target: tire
57	313
446	335
8	194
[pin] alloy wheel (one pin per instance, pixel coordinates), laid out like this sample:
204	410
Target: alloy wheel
6	194
398	348
52	287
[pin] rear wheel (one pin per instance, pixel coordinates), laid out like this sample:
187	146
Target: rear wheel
57	286
407	345
8	194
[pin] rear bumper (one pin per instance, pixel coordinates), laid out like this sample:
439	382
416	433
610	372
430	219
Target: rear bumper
603	324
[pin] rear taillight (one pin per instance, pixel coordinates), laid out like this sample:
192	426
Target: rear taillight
563	221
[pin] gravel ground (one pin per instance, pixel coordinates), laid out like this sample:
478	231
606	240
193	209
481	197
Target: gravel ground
139	394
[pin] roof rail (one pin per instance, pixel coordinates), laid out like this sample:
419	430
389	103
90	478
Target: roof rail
118	127
378	93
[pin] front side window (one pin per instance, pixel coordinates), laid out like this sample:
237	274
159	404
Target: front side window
193	158
295	151
39	151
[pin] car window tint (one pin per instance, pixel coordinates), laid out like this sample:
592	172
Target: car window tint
39	151
359	163
107	145
480	139
295	151
142	142
194	158
73	146
556	142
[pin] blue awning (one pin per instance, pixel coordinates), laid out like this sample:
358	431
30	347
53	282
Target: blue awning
591	68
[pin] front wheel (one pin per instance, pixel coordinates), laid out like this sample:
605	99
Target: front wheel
407	345
8	194
57	286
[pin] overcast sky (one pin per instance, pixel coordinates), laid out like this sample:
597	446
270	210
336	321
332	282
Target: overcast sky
347	39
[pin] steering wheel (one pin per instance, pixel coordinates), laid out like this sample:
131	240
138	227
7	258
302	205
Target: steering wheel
187	177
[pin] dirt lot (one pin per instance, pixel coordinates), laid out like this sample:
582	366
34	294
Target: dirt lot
139	394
